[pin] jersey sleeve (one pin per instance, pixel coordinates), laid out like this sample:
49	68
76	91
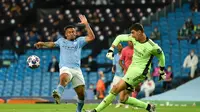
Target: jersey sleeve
122	38
57	43
81	41
157	51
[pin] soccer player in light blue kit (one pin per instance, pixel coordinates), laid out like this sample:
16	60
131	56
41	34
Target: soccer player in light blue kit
117	69
70	57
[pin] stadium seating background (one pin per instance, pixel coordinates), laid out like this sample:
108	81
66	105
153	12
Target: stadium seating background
19	80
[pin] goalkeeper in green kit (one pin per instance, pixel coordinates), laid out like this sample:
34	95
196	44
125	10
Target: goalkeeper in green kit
144	51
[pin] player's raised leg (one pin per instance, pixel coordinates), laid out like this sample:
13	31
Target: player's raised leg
65	78
80	91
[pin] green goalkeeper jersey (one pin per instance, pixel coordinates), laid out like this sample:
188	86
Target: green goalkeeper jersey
143	52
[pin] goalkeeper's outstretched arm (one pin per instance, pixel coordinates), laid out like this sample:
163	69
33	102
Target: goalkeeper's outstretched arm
44	44
121	38
118	39
157	51
161	57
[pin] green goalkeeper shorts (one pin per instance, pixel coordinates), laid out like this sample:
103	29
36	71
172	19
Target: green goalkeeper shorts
134	76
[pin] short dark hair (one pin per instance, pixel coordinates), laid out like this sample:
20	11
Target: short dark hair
69	26
137	27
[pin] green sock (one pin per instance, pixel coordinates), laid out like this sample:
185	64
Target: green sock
106	101
136	102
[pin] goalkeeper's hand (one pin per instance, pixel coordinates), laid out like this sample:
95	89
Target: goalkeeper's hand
110	53
162	74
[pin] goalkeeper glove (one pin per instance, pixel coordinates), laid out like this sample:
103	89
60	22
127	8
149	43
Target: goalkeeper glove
162	74
110	53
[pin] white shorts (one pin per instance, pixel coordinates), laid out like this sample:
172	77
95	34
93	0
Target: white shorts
75	74
116	79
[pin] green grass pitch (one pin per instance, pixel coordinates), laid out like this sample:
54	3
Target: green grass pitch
72	107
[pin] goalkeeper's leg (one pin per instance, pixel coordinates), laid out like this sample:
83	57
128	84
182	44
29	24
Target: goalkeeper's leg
133	81
121	85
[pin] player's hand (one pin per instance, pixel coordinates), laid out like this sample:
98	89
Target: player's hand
83	19
110	54
38	45
162	75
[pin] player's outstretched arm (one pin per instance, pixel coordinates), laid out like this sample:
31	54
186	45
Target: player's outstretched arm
44	44
161	57
90	34
118	39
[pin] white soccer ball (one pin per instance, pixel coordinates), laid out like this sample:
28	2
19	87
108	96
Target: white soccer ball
33	61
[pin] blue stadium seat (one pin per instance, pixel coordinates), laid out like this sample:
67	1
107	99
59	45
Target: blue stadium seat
178	10
17	90
187	14
101	59
109	76
183	56
179	14
55	51
196	14
195	20
147	28
171	15
157	42
30	52
85	53
185	72
154	24
1	87
26	92
101	69
186	6
7	52
192	46
35	92
163	19
179	22
108	61
89	95
46	52
2	77
184	44
171	20
93	77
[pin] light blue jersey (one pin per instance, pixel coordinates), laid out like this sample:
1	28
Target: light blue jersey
70	52
118	71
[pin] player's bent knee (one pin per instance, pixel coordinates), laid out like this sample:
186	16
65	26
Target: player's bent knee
115	89
64	79
123	99
65	76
